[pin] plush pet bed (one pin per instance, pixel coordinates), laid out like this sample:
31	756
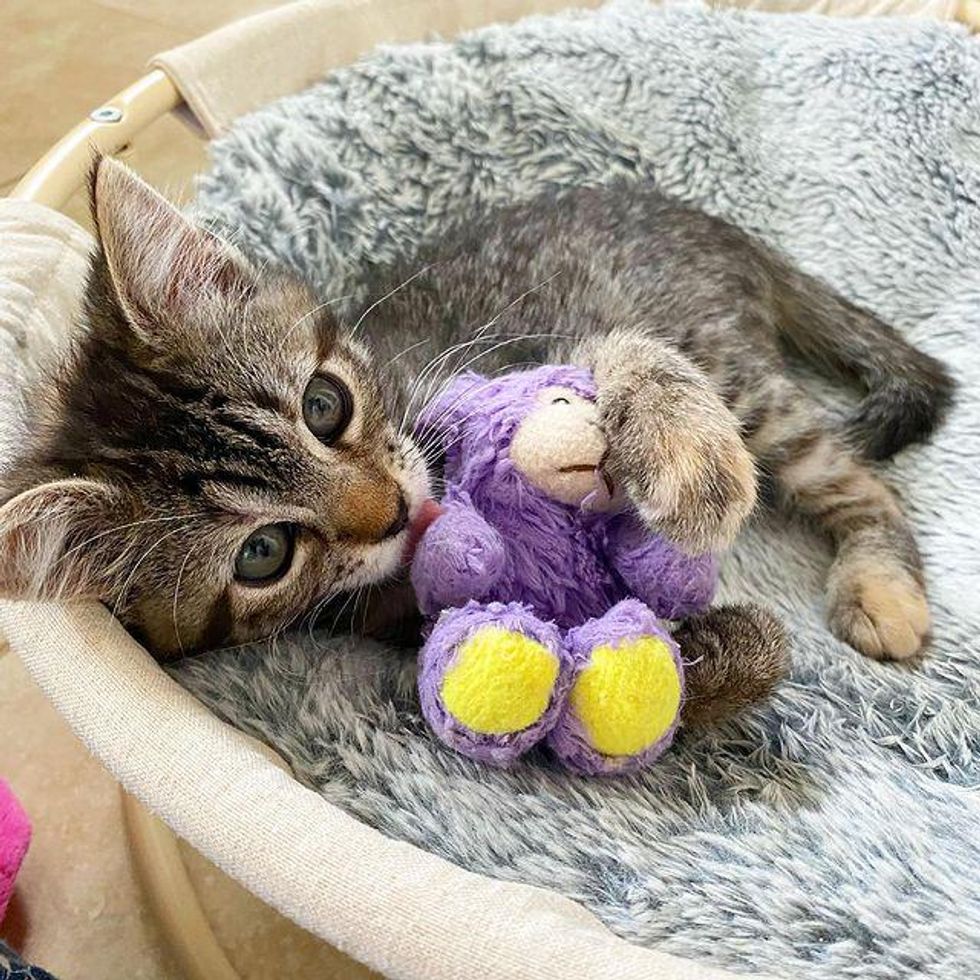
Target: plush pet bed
831	833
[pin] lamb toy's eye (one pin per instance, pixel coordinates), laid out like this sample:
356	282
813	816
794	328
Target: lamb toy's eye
560	401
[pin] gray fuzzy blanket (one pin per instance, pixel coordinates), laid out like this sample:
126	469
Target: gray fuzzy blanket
832	833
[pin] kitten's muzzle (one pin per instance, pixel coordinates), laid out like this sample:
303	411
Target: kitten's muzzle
370	509
401	519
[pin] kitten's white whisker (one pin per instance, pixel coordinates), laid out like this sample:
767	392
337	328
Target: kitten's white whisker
310	618
387	295
531	336
316	309
513	340
123	527
367	605
478	335
527	292
435	364
458	349
352	597
180	575
431	438
405	351
132	573
432	444
443	447
269	637
446	446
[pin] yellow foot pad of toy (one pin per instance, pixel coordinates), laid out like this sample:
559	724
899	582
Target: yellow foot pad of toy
494	679
500	682
624	704
628	697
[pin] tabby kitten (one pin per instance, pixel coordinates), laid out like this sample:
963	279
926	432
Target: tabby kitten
220	454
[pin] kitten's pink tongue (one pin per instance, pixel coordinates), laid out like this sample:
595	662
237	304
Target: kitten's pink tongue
427	513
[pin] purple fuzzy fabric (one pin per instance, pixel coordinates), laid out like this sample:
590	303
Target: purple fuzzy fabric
502	540
555	560
627	620
672	584
462	559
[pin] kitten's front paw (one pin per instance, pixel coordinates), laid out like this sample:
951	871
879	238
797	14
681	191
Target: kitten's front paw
878	608
696	486
674	447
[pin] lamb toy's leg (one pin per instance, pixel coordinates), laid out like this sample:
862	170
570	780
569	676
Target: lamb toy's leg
624	705
493	679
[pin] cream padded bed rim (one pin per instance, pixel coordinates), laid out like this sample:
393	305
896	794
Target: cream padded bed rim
401	910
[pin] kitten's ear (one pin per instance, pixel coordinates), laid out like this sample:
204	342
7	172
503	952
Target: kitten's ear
53	543
161	265
441	421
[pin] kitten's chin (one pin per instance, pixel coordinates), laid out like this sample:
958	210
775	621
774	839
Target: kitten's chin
381	563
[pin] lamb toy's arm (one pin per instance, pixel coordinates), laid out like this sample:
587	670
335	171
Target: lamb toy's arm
459	558
671	583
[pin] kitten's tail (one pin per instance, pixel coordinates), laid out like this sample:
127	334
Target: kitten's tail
908	391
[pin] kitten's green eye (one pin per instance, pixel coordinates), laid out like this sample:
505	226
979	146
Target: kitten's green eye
327	407
265	555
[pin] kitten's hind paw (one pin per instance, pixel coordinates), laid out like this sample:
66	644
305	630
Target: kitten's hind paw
734	656
878	608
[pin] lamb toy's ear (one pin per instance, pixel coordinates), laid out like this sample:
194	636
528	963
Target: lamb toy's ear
442	420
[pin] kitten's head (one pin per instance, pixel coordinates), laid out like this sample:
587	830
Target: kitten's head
215	456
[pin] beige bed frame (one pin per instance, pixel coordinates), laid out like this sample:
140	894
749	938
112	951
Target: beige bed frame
110	129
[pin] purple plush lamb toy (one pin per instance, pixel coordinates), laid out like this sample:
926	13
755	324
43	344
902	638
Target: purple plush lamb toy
545	596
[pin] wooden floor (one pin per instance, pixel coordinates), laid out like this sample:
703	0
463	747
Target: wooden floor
78	910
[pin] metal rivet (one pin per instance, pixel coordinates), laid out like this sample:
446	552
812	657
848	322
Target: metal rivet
106	114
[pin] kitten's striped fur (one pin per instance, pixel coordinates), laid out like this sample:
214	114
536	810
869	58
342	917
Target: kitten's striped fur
689	324
180	405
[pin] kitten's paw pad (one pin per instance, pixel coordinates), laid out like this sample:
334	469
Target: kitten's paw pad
500	682
623	707
882	612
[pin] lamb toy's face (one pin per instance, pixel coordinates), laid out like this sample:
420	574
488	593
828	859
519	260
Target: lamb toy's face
539	427
559	447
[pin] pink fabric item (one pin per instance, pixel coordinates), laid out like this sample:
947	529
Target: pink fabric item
15	835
